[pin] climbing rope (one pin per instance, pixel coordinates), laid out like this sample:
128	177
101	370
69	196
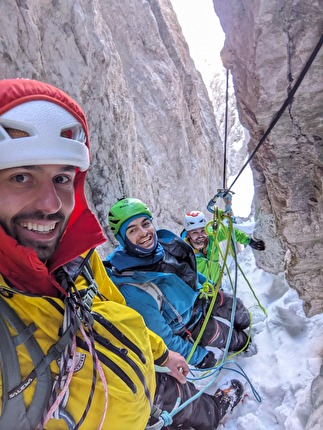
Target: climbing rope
76	316
208	288
225	129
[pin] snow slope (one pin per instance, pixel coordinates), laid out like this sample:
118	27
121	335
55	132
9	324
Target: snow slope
289	350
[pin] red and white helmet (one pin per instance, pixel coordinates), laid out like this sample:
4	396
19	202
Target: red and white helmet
193	220
39	124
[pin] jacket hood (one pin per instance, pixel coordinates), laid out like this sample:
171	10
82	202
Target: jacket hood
18	264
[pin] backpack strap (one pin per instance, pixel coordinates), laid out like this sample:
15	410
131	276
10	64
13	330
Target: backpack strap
14	415
156	293
153	290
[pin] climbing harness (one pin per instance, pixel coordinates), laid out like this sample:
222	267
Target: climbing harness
76	316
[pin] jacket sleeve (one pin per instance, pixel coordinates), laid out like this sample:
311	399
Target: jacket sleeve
147	306
158	347
241	236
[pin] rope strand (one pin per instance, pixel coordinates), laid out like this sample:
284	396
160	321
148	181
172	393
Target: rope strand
289	99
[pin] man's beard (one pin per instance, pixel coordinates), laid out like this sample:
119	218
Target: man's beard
43	250
200	243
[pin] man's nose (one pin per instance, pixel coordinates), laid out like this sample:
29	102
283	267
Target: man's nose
143	231
46	199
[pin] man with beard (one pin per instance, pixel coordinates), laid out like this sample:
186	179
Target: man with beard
201	237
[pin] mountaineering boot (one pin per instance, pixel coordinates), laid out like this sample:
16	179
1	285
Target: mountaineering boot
228	396
223	308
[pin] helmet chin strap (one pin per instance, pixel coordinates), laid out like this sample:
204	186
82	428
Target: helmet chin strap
139	251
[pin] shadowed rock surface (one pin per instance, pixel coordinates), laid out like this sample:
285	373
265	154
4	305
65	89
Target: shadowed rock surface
153	129
267	45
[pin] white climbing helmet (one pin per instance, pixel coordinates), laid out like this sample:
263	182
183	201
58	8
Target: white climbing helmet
193	220
41	132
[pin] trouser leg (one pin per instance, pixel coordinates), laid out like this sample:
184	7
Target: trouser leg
201	414
216	334
223	308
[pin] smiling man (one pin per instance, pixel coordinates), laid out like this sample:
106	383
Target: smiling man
37	202
200	235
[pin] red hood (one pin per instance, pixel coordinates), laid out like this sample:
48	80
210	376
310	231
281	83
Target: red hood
20	265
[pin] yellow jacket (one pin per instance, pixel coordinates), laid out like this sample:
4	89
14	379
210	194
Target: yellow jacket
128	406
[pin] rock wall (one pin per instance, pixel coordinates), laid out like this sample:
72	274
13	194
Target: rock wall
153	131
152	125
267	45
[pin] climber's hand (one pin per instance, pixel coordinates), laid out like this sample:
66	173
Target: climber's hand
259	245
177	366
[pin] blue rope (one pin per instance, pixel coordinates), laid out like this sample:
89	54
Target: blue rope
207	386
243	373
167	418
224	366
216	372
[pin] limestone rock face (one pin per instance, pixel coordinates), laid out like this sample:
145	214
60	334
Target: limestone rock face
267	45
152	127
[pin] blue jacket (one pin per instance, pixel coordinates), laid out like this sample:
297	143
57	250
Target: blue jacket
164	300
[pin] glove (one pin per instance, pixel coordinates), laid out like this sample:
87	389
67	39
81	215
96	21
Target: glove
259	245
208	361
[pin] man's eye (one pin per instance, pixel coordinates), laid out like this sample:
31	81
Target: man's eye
146	223
61	179
21	178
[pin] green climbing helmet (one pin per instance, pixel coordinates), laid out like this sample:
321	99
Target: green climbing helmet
124	209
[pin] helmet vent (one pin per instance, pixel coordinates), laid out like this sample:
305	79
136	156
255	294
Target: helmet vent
15	133
74	133
68	134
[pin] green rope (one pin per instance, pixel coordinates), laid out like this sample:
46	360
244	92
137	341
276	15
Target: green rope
245	278
208	287
210	290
